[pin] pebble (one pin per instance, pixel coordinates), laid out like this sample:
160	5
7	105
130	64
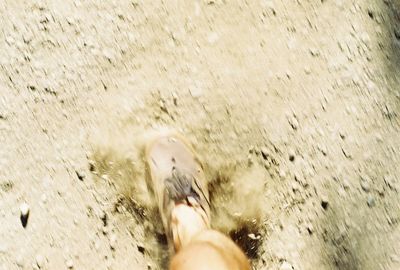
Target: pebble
175	98
282	174
195	91
310	228
212	38
389	181
365	38
323	149
291	44
314	52
104	230
397	33
253	236
365	186
324	202
346	152
370	201
104	218
141	248
81	174
286	266
113	241
97	245
24	210
346	184
20	261
70	264
379	138
10	40
295	187
109	54
293	122
39	261
43	198
395	258
264	152
292	155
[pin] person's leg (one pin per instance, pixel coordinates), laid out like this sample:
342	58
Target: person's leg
210	250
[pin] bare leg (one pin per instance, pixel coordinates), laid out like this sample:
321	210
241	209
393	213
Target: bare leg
210	250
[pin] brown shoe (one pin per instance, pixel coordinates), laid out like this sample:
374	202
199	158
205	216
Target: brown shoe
179	184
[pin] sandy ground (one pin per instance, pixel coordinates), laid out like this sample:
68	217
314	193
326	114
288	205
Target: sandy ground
292	105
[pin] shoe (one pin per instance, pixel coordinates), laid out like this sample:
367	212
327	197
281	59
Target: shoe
180	188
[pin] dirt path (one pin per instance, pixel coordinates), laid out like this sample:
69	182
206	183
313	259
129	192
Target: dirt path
293	106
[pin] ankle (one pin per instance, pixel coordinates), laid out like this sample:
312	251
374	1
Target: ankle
186	222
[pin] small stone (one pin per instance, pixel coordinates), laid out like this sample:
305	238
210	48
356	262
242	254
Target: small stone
249	160
141	248
113	241
264	152
379	138
346	184
365	38
282	174
43	198
212	38
81	174
365	186
10	40
323	149
24	210
395	258
253	236
286	266
295	187
20	261
175	98
104	218
292	155
97	245
389	181
310	228
397	33
70	264
314	52
39	261
196	91
370	13
346	152
324	202
109	54
370	201
293	122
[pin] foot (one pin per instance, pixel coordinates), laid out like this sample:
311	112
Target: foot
179	184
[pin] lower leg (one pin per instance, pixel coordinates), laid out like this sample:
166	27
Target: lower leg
210	250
